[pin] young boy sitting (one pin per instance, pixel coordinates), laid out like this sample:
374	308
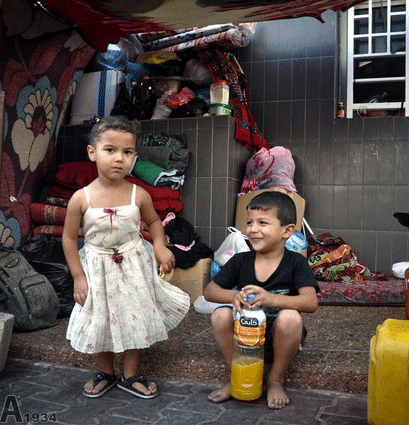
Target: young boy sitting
282	282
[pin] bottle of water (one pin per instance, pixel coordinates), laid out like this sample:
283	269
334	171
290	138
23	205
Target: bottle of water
248	355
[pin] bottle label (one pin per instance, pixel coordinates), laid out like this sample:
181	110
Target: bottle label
248	332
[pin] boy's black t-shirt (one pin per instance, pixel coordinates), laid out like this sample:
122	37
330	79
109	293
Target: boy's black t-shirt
292	273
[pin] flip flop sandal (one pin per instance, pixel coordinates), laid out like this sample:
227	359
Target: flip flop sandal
126	385
99	377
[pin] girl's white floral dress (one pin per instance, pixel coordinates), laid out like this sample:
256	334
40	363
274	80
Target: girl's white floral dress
128	305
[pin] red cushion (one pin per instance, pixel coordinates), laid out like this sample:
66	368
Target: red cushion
47	214
76	174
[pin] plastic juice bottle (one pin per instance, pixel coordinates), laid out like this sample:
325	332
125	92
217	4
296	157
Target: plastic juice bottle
407	293
248	356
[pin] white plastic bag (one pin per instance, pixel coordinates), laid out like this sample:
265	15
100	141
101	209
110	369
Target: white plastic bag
398	269
202	306
234	243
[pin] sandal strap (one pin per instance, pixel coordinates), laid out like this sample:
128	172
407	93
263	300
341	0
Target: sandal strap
100	376
141	379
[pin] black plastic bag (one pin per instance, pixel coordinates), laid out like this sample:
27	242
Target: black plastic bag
44	252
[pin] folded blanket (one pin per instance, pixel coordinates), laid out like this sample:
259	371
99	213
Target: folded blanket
171	141
165	157
154	175
47	214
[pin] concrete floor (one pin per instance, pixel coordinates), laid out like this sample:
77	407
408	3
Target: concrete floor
335	358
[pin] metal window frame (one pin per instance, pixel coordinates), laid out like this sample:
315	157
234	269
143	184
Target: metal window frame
351	17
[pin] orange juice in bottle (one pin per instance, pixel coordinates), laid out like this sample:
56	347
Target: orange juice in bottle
248	355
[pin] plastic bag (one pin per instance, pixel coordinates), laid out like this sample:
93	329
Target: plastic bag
234	243
44	252
398	269
202	306
196	72
296	242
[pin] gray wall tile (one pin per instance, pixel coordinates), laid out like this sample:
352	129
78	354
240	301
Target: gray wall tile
271	80
370	163
203	199
340	213
370	221
384	248
368	254
219	202
204	152
341	162
386	198
355	207
356	163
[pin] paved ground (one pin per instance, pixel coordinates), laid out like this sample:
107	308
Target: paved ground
37	392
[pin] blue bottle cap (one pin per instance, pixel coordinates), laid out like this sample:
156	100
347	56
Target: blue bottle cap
250	297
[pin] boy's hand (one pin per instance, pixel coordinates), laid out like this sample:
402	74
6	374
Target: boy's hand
80	290
260	299
238	301
165	258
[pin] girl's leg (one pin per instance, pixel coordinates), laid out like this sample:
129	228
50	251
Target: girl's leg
287	332
106	365
131	365
222	324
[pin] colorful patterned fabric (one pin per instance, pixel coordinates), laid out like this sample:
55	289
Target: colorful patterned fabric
224	66
39	77
389	292
102	22
333	260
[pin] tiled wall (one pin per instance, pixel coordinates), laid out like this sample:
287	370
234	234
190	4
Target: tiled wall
214	175
215	172
354	173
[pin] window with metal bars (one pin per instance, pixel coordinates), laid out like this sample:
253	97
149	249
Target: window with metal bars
377	59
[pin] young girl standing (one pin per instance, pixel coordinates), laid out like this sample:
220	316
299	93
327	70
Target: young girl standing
122	305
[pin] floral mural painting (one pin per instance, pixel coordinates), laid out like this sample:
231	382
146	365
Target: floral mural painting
39	77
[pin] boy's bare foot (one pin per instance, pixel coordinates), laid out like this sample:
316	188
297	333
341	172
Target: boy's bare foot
277	398
221	394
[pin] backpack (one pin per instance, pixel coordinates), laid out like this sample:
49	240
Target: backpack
26	294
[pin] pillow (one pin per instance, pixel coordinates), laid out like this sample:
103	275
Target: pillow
76	174
47	214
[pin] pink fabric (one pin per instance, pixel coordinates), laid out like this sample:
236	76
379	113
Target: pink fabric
273	167
386	292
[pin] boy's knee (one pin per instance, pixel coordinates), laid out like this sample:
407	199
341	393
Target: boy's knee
222	317
288	321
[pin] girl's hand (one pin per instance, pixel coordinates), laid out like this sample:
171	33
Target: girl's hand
80	290
165	258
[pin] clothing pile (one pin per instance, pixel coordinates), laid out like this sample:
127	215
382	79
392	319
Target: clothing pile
48	216
185	244
162	160
332	259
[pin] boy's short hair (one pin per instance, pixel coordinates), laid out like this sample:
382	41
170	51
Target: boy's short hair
285	206
118	123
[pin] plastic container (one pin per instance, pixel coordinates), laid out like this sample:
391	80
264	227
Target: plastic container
388	395
248	355
220	109
407	293
219	92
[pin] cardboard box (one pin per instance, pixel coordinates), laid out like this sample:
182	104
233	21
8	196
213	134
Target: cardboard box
193	280
243	201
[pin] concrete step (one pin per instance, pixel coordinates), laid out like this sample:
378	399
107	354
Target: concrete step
336	355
